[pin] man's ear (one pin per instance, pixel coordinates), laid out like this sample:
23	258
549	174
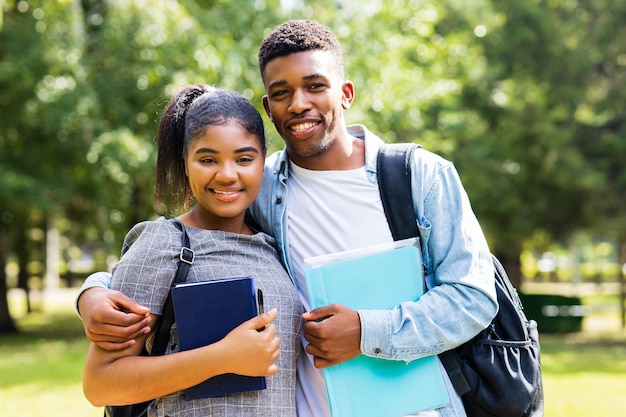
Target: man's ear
266	106
348	94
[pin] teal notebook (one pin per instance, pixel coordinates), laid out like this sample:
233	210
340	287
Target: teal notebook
380	277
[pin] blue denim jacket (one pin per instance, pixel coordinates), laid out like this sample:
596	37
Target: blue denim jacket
461	300
459	272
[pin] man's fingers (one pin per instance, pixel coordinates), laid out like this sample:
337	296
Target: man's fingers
98	330
321	363
115	334
319	314
130	320
113	347
319	359
128	305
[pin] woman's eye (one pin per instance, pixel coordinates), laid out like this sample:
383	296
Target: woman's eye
245	160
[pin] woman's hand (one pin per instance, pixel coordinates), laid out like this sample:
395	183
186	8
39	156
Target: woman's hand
252	347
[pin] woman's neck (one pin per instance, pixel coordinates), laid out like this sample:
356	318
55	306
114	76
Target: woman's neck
196	218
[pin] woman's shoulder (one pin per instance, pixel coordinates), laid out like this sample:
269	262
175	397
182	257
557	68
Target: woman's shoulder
265	239
150	232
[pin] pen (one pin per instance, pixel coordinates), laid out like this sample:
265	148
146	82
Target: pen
259	295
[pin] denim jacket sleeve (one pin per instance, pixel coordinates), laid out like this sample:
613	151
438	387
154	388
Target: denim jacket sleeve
461	299
97	279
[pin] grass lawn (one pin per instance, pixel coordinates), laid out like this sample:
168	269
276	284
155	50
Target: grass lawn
40	368
583	377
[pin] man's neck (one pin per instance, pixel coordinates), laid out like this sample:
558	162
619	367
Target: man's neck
345	153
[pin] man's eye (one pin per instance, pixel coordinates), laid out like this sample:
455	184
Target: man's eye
278	94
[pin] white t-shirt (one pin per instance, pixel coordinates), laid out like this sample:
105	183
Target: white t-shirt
328	211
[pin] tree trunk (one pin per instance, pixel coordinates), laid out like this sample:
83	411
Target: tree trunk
7	325
21	250
622	279
52	278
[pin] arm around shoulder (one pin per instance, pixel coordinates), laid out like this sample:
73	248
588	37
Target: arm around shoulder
125	377
111	319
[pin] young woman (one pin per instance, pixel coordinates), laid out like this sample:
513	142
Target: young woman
211	146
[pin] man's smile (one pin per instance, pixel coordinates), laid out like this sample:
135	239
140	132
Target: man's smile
301	127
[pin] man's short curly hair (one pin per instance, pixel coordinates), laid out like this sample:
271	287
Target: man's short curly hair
299	36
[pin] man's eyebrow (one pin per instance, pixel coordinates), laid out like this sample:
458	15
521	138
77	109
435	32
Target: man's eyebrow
306	78
313	76
276	84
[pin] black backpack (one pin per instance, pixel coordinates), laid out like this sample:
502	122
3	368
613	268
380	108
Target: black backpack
498	372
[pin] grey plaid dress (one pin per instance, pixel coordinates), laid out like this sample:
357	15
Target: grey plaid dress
146	270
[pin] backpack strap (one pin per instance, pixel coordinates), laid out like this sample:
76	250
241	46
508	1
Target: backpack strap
393	166
162	332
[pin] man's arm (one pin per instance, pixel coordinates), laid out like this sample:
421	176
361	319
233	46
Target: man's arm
461	297
111	320
460	302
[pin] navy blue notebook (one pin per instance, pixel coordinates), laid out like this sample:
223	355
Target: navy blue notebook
205	312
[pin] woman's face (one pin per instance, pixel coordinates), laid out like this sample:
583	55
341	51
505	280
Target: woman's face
224	168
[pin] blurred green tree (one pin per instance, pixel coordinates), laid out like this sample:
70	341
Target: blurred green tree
525	98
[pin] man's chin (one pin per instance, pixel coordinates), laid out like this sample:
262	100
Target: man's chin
306	151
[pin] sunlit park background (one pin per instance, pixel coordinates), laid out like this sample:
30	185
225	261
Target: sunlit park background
526	97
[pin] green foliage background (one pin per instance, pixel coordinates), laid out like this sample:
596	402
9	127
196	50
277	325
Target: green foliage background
525	97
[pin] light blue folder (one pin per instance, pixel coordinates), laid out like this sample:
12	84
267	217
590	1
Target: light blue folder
366	386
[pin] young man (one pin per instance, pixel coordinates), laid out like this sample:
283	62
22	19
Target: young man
320	195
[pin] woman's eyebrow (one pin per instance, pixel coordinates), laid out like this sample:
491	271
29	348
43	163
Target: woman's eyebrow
240	150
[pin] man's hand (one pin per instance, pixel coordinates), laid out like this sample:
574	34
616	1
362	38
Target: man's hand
112	320
334	334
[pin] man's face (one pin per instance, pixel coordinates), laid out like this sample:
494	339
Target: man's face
306	96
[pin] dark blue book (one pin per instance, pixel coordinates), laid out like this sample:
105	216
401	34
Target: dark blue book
205	312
